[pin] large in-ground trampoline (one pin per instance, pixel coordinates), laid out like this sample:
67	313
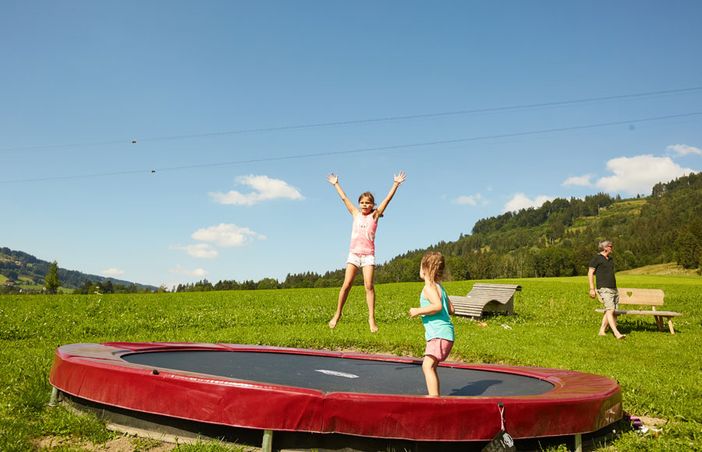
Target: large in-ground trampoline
275	389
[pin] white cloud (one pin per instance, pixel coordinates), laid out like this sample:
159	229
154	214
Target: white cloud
112	272
640	173
521	201
684	149
199	250
197	273
264	189
227	235
580	181
470	200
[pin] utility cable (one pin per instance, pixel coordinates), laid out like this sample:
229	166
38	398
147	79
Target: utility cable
136	140
360	150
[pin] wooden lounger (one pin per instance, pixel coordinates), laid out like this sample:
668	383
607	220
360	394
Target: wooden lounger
486	298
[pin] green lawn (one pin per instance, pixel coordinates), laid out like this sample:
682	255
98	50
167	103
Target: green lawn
555	326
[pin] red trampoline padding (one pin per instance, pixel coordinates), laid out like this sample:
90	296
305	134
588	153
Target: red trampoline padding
576	403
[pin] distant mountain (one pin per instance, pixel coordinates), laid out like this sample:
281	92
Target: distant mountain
22	269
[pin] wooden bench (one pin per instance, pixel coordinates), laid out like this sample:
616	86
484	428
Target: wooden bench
497	298
645	297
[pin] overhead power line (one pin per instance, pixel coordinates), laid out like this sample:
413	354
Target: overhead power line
135	140
360	150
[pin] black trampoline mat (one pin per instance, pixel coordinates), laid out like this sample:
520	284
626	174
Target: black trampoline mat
333	374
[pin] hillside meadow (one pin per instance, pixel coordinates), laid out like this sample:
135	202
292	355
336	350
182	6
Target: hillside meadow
555	326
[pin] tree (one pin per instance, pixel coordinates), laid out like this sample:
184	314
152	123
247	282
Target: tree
687	250
51	281
267	283
107	287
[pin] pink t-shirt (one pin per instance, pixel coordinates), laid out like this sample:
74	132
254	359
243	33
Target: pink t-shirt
363	234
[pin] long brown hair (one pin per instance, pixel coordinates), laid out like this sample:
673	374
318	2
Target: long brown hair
433	265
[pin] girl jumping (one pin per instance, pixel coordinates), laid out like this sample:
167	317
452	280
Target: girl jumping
362	249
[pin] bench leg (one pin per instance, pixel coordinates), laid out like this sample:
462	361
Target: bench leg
659	322
670	325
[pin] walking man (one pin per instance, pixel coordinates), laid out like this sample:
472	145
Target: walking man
601	268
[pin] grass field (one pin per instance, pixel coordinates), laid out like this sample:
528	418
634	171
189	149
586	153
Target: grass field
555	326
669	269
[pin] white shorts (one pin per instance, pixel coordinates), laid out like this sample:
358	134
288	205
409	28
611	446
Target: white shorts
360	260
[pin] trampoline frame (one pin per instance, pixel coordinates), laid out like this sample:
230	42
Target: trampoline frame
579	403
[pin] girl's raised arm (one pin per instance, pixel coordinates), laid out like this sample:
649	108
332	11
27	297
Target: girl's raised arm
397	180
334	180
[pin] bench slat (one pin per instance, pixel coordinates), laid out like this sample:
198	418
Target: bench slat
497	286
469	312
644	312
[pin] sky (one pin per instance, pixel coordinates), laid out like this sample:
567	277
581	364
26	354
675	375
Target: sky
167	142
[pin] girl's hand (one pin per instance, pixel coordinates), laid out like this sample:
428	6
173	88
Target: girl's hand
399	178
413	312
333	179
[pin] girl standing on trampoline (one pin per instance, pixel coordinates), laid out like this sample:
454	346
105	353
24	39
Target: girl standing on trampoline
435	309
362	249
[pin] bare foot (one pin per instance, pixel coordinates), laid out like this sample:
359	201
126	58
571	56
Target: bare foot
333	322
601	334
373	326
622	336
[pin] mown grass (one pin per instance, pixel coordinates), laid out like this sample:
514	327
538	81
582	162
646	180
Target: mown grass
555	326
668	269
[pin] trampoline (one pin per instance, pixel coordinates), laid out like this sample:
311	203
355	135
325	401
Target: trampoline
278	389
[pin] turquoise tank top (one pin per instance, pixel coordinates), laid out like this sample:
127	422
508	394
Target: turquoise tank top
437	325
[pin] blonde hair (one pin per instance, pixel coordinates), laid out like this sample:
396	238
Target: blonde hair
433	265
368	195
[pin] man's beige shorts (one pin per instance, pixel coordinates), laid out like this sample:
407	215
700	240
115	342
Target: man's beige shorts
609	297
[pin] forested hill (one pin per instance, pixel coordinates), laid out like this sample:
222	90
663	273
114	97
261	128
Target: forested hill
21	270
560	237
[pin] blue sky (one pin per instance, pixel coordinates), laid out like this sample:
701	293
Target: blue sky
239	110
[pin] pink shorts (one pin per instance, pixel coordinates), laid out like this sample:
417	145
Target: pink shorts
438	348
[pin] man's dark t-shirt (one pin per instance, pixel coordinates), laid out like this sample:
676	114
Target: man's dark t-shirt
604	271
